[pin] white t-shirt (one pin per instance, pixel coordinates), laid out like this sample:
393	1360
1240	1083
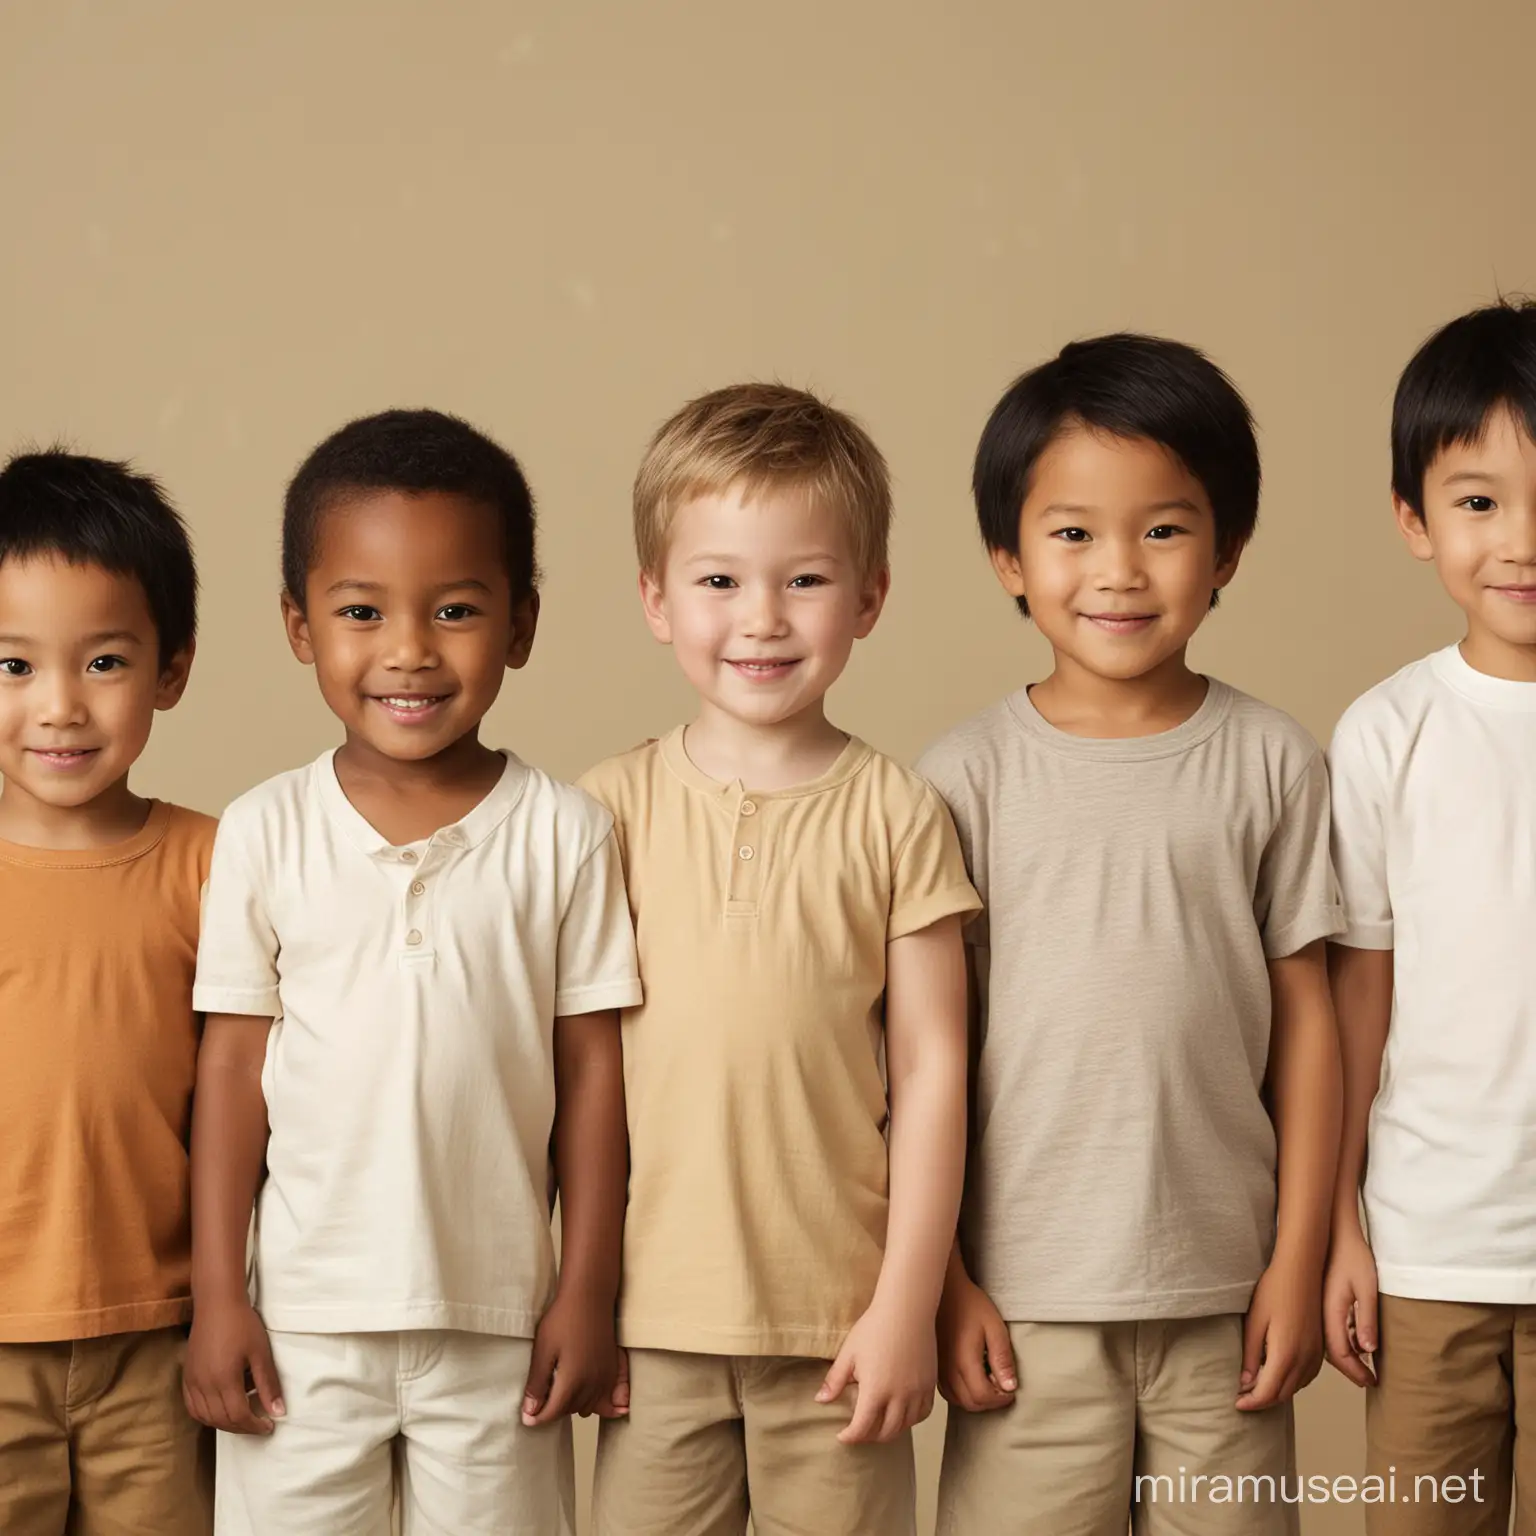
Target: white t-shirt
1434	799
409	1077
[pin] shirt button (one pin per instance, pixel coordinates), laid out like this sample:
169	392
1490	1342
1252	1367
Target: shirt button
744	852
417	887
407	857
749	808
413	938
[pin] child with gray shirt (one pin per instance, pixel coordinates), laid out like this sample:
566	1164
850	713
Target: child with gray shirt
1136	1295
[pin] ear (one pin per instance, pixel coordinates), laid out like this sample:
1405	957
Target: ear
525	620
654	603
297	629
173	677
872	600
1414	529
1005	563
1226	569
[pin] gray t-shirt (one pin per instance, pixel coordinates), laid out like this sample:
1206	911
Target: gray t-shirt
1123	1162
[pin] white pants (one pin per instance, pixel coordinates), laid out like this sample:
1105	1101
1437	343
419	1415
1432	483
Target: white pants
445	1407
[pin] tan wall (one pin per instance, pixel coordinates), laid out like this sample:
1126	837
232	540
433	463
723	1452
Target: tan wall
225	229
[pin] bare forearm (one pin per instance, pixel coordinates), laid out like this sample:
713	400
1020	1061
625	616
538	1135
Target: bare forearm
1361	981
1305	1082
591	1152
229	1148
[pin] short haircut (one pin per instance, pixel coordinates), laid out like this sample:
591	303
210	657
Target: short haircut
417	452
1467	370
764	437
98	512
1128	386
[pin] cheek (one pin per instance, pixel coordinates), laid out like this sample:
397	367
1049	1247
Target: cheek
699	623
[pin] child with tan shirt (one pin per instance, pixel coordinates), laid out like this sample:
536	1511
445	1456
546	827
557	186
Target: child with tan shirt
99	893
795	1077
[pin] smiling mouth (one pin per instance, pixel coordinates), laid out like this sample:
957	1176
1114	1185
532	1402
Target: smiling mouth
410	707
1518	594
1120	623
773	668
63	757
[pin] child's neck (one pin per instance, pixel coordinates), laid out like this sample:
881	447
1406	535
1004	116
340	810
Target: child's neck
114	816
405	801
763	757
1486	652
1084	703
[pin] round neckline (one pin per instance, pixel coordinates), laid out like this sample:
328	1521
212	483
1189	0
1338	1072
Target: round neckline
1207	718
1458	674
104	857
849	761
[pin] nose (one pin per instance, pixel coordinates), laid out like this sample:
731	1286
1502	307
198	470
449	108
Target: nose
410	645
60	700
764	616
1520	535
1119	567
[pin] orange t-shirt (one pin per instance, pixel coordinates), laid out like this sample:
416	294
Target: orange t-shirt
98	1047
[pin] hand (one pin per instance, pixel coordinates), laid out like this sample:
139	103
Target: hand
1282	1336
976	1367
1349	1306
229	1361
575	1365
892	1357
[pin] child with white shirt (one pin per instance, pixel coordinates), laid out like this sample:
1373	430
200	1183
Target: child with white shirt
1434	801
413	954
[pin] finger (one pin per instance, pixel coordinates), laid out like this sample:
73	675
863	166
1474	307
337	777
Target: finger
264	1377
1265	1391
1000	1362
1365	1321
541	1376
1336	1330
239	1418
982	1393
924	1409
193	1400
1254	1329
867	1414
557	1405
893	1421
837	1379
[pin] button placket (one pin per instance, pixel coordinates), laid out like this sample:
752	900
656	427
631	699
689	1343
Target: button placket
424	869
745	878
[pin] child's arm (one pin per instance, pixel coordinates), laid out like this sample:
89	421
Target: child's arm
575	1355
229	1147
1362	999
891	1351
1282	1343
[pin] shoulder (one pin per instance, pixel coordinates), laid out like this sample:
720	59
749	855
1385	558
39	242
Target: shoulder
1269	727
966	756
572	813
271	816
619	781
190	835
1387	713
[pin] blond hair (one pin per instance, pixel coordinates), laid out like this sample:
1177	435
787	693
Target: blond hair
762	437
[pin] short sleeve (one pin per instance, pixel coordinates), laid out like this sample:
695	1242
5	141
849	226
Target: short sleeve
956	793
928	877
1297	899
595	959
1359	840
237	947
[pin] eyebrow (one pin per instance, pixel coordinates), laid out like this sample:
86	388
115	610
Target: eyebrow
1462	475
350	584
708	558
101	637
1177	504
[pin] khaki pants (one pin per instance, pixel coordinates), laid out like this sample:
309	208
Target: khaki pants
419	1432
95	1439
1455	1396
1112	1426
711	1439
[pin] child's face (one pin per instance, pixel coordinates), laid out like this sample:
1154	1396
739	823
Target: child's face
761	601
1479	528
409	620
1117	553
80	679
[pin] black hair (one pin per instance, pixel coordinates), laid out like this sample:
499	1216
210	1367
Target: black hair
1129	386
412	451
98	512
1467	370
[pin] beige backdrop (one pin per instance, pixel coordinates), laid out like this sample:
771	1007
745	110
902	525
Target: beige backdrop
226	229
